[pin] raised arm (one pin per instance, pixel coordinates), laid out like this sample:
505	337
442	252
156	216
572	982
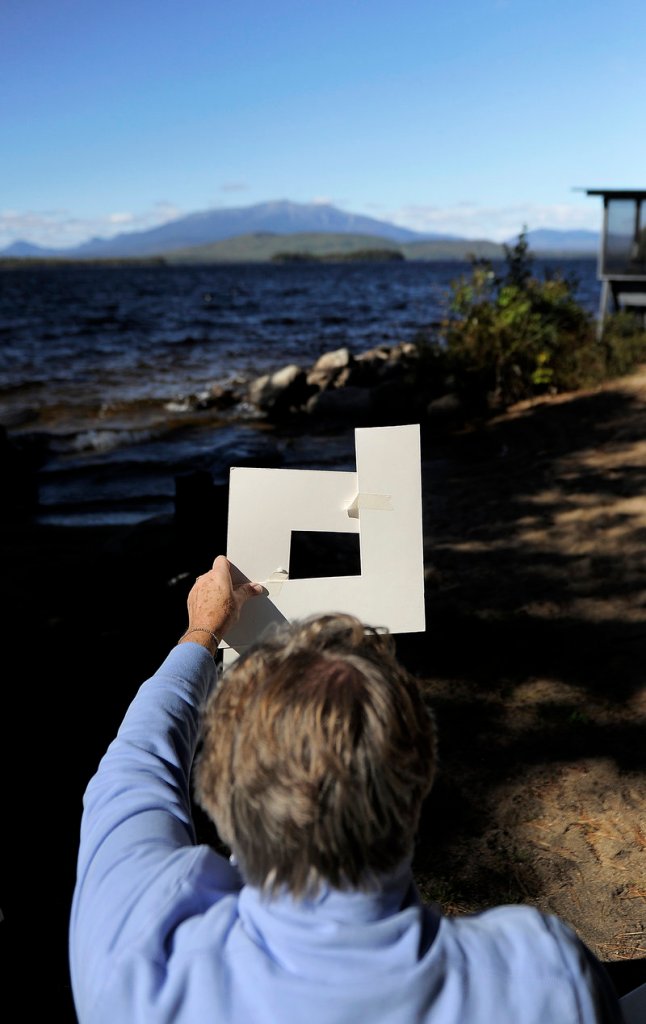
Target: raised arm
137	836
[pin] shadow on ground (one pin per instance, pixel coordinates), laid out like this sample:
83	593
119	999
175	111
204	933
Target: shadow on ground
534	653
534	658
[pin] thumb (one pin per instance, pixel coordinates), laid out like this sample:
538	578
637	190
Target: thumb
246	590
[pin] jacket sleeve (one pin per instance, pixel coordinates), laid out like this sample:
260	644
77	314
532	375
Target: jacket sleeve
137	843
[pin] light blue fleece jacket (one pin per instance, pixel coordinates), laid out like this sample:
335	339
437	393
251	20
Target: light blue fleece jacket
164	930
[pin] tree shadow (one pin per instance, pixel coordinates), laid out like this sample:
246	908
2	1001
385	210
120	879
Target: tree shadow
535	574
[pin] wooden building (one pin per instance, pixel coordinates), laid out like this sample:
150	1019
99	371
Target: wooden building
622	253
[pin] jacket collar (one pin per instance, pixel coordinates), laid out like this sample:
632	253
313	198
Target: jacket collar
386	926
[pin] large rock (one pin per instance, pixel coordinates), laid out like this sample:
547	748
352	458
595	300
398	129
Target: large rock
341	405
370	366
280	393
335	360
332	369
398	399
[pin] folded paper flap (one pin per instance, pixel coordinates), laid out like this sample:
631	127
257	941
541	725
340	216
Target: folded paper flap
379	502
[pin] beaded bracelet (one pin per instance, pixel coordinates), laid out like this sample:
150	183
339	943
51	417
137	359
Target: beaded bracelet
202	629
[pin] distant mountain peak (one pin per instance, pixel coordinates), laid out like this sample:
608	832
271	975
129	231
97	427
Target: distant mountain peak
21	250
203	227
275	217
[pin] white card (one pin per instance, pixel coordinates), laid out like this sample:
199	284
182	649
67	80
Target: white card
382	502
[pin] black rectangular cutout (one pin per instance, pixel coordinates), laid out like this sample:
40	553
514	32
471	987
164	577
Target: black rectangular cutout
313	554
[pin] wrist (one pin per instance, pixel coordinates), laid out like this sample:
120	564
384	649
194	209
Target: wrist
203	636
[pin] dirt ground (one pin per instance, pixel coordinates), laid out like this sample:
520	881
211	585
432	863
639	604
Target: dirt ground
534	654
535	530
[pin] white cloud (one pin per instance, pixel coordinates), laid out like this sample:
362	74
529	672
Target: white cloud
234	186
59	229
498	223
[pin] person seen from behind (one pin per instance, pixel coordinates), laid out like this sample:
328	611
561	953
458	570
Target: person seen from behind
312	755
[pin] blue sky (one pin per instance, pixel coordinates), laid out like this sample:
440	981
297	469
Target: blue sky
467	116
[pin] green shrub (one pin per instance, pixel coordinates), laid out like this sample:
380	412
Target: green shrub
513	336
624	343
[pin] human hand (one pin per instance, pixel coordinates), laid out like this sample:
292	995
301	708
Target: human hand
214	604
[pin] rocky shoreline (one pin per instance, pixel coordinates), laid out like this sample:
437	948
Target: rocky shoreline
339	391
369	388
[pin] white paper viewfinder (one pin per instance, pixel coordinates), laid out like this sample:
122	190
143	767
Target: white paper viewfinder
381	501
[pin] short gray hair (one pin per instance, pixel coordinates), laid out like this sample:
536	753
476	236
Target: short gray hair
318	749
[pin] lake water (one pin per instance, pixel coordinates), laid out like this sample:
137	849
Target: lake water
99	362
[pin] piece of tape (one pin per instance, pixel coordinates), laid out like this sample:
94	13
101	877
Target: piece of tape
379	502
274	583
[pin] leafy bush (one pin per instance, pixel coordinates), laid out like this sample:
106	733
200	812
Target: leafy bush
514	336
624	342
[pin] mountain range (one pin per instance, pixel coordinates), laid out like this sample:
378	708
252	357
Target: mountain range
201	234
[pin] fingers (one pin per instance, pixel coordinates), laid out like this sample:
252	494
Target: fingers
250	590
239	592
222	566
